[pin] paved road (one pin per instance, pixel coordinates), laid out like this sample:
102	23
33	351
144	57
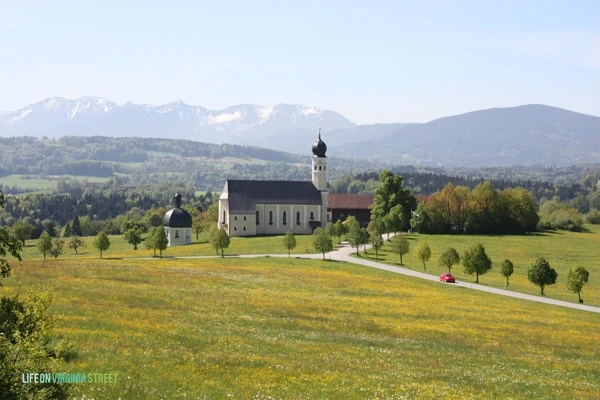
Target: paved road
343	252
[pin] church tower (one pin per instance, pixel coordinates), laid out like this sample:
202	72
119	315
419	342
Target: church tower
319	174
319	164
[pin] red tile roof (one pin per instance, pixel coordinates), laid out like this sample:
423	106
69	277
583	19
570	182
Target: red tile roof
349	201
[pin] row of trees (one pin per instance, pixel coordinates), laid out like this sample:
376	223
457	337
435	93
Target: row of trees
476	262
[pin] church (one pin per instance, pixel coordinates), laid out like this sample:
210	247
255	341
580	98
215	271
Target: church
249	208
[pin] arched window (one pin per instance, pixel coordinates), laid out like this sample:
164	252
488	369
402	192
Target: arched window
244	217
297	217
176	234
312	215
319	167
285	218
235	218
256	217
244	228
315	167
235	228
223	217
270	217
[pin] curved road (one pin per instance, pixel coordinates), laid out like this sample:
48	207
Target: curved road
343	254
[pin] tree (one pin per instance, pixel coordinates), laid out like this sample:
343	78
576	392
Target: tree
576	280
101	242
289	241
423	253
390	193
150	240
542	274
57	247
8	245
321	241
332	231
375	229
133	237
354	233
75	242
44	243
340	229
506	269
220	240
67	231
160	240
449	258
476	261
22	231
401	246
76	227
393	220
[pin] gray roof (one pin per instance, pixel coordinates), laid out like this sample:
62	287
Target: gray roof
243	194
177	218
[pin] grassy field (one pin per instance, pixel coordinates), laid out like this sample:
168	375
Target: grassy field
42	184
291	328
562	249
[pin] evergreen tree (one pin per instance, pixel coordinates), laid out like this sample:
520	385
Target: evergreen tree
76	227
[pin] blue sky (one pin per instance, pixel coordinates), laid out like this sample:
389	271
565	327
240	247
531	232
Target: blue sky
372	61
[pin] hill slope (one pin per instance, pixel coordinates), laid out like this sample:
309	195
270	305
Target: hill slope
524	135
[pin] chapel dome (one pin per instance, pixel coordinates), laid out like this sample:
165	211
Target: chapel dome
319	148
177	217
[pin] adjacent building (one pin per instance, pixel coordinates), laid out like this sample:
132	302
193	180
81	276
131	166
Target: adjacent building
178	224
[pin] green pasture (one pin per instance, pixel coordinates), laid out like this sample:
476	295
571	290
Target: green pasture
291	328
28	182
562	249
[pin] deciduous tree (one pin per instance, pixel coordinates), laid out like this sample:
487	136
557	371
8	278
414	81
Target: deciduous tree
321	241
375	230
75	242
57	247
476	261
220	240
133	236
506	269
423	253
160	240
576	280
354	234
542	274
401	245
44	243
449	258
289	242
101	242
22	231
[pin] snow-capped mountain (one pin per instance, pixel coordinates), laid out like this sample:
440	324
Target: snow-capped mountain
240	124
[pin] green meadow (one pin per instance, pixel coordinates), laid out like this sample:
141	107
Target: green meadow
284	328
564	250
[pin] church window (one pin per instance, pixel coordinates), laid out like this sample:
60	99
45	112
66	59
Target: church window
315	167
235	218
256	217
312	215
223	217
235	228
244	228
297	217
244	217
176	234
270	217
324	167
285	218
319	167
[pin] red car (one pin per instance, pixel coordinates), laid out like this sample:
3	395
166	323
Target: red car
447	278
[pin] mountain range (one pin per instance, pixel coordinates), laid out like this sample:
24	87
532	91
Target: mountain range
523	135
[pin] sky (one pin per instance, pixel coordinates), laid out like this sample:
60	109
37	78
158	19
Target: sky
372	61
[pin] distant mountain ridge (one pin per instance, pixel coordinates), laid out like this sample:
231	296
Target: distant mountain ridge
524	135
239	124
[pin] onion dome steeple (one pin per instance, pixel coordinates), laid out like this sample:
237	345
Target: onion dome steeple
319	148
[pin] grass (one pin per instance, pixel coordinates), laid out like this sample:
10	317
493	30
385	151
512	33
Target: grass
35	184
120	249
291	328
562	249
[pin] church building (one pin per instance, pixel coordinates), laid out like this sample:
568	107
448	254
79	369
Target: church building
177	224
249	208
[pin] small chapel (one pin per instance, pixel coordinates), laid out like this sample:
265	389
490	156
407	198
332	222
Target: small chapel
177	224
249	208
